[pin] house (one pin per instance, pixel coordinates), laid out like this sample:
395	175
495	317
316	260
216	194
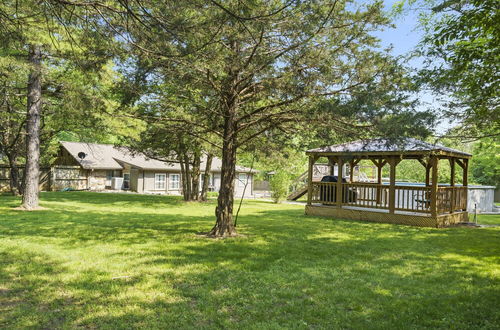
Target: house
106	167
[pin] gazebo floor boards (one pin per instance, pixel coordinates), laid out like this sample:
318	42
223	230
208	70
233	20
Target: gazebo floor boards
381	215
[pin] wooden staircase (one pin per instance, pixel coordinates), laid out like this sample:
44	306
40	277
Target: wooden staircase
299	185
297	193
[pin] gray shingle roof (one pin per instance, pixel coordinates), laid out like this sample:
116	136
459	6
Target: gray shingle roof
387	146
110	157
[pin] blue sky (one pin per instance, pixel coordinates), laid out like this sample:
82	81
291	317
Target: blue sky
406	35
404	38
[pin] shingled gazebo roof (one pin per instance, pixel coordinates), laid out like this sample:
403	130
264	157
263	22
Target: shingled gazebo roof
408	147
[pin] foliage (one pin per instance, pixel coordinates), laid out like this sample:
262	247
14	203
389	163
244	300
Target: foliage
279	184
247	70
485	164
77	77
462	44
93	260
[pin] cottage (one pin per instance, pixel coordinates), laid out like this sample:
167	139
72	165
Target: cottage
103	166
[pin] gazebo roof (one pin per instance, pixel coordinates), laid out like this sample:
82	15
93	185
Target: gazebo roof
376	147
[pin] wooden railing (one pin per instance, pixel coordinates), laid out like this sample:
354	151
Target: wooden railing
406	198
451	199
368	195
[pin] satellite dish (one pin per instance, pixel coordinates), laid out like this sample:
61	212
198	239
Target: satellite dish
81	155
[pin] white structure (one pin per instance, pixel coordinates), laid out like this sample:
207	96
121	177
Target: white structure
481	197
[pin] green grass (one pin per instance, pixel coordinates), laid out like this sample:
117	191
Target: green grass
486	219
61	268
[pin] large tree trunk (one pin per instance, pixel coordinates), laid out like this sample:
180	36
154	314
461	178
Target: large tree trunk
206	177
195	176
14	175
224	225
32	170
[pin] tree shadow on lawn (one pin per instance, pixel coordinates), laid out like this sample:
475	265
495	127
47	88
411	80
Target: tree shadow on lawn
289	271
372	282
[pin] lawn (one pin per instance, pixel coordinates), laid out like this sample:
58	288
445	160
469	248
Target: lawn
127	261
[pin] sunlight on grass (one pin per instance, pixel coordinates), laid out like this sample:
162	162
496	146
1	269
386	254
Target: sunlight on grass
128	261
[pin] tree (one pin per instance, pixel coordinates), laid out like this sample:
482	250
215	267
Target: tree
462	44
150	100
485	166
12	116
32	169
38	38
260	65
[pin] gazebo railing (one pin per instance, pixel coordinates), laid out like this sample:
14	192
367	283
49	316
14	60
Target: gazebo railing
406	197
451	199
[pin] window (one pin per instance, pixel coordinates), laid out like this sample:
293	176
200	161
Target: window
109	175
174	181
242	180
160	181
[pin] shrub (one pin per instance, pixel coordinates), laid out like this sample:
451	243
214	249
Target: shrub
279	184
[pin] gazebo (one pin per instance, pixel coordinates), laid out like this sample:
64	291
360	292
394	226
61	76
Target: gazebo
428	204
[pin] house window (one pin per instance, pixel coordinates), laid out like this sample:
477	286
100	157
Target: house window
174	181
242	179
160	181
109	175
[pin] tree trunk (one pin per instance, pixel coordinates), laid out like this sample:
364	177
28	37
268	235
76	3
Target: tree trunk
187	178
206	177
224	225
195	176
14	175
183	177
32	170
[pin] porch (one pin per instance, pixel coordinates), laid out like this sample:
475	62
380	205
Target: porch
426	204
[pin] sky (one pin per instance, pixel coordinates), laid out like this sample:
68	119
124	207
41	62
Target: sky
404	38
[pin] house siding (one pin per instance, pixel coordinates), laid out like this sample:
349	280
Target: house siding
134	179
97	179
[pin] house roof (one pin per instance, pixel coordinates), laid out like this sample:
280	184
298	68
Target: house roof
110	157
387	147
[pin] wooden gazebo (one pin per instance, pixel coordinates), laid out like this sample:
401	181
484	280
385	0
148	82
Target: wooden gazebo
429	204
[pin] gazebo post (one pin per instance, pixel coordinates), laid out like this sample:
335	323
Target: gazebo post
331	162
310	179
340	174
392	185
452	184
379	181
352	164
379	164
428	174
434	186
465	179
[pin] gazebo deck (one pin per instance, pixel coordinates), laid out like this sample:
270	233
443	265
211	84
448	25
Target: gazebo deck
384	216
426	205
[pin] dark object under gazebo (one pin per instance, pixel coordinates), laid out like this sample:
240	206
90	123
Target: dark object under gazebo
427	205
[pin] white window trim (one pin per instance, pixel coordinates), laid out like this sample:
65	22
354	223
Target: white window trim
157	181
170	181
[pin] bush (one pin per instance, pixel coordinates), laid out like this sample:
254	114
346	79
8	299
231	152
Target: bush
279	184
